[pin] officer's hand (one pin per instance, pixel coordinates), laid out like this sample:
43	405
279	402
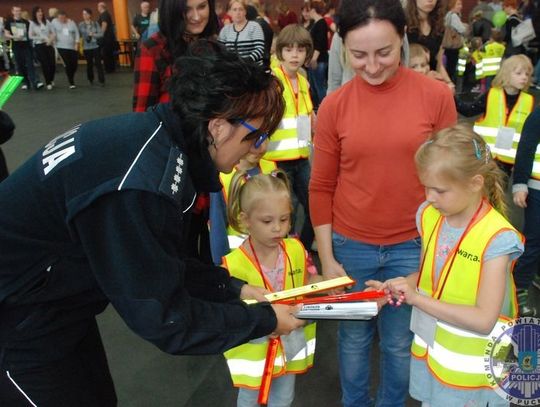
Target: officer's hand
250	292
286	321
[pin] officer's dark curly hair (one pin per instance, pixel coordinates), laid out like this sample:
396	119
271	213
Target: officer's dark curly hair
210	82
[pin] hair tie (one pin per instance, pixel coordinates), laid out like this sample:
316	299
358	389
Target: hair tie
274	173
247	176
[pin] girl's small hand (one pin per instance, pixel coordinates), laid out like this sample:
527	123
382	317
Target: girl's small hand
520	198
399	288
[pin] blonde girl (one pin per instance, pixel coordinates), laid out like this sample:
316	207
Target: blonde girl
464	290
506	106
261	207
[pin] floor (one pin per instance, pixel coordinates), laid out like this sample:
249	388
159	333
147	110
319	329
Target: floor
144	376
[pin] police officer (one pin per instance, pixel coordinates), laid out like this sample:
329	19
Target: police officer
98	215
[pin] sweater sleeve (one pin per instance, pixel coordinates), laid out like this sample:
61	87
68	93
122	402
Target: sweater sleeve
131	240
528	143
325	167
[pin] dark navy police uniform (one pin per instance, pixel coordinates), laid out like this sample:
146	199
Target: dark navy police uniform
99	215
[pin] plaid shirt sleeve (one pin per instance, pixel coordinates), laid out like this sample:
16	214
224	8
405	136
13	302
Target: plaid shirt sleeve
147	86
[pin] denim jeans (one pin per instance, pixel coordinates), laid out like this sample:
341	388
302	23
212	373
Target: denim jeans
527	264
281	393
318	81
299	172
363	262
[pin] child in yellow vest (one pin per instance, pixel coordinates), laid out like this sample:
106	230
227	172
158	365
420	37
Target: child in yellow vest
464	292
289	146
261	207
506	106
222	237
493	54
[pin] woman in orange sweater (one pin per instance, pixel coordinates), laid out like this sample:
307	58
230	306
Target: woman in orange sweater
364	191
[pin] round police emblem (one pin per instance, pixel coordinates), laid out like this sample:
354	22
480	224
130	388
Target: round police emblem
511	361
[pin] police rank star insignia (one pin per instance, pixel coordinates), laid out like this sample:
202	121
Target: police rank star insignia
174	176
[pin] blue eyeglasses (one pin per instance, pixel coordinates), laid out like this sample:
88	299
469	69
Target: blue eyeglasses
260	139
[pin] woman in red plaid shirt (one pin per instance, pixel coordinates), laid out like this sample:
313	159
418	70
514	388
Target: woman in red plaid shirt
180	22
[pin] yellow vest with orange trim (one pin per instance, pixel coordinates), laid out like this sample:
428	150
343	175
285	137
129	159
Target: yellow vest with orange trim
265	167
457	355
246	362
284	144
496	117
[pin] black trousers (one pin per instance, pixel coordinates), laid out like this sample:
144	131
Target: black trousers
71	60
108	55
47	59
81	378
93	57
452	56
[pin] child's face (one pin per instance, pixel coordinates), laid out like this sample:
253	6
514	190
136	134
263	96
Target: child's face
453	199
519	78
294	57
419	64
269	220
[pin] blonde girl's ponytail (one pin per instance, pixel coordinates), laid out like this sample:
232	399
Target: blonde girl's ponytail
233	204
460	154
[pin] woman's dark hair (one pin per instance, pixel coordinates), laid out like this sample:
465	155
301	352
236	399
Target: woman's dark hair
87	10
210	82
358	13
34	15
172	24
435	17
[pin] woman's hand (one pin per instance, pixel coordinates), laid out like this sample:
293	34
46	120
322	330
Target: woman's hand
375	285
520	198
251	292
286	321
332	269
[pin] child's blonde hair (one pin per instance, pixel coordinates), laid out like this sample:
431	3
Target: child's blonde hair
461	154
294	34
246	191
508	66
418	51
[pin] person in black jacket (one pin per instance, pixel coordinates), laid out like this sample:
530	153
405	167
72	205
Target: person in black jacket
7	127
526	195
100	215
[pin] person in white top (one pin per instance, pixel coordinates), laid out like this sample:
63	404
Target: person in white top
67	40
42	34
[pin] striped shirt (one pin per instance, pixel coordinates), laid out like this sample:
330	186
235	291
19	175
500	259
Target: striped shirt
248	42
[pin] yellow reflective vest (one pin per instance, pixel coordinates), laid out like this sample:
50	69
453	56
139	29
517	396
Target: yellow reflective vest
491	61
457	355
463	57
246	362
284	144
496	116
265	167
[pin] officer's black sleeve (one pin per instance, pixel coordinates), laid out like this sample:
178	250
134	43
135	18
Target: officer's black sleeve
131	240
528	143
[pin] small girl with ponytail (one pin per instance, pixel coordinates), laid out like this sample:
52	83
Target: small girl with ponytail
260	206
464	290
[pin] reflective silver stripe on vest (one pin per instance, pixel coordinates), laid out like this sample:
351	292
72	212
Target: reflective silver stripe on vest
288	123
456	361
287	144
